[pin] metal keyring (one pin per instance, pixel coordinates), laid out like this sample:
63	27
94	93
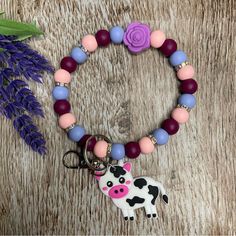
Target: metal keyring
105	163
64	159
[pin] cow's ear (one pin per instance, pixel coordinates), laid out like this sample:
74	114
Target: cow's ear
127	166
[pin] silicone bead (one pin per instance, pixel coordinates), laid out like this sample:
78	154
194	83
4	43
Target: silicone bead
100	149
157	38
188	86
76	133
178	58
171	126
68	64
66	120
89	42
116	34
62	76
181	115
188	100
117	151
132	149
103	38
187	72
161	136
60	93
79	55
61	107
91	143
146	145
168	47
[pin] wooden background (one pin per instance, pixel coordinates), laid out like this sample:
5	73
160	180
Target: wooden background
125	97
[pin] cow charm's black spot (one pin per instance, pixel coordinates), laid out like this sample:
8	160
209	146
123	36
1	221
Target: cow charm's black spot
140	183
117	171
135	200
153	190
165	198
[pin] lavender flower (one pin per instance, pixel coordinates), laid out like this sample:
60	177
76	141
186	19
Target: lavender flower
18	59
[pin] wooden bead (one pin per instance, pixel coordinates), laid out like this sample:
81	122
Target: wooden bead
61	107
66	120
181	115
132	149
146	145
186	72
171	126
157	38
90	43
100	149
62	76
103	38
68	64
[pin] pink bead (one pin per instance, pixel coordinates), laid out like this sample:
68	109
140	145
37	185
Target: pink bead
187	72
100	149
146	145
157	38
66	120
90	43
62	76
181	115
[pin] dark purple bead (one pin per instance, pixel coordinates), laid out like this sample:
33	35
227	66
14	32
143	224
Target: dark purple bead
103	38
188	86
168	47
91	142
171	126
61	107
132	149
68	64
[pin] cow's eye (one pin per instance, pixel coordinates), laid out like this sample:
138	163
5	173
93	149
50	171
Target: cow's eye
121	180
109	184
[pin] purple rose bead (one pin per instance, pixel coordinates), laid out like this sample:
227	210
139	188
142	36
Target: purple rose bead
137	37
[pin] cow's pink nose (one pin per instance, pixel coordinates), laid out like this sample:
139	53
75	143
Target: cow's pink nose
118	191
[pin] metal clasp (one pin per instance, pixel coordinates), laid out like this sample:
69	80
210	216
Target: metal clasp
95	165
80	162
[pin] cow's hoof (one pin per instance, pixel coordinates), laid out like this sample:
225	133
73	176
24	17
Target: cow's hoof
154	215
149	215
131	218
126	218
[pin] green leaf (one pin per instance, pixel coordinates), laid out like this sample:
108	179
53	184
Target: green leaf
23	37
22	30
2	50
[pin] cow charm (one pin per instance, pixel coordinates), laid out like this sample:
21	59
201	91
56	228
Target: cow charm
129	193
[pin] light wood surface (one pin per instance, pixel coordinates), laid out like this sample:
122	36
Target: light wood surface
125	97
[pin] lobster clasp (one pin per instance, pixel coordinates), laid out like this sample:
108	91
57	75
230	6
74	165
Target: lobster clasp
85	161
72	163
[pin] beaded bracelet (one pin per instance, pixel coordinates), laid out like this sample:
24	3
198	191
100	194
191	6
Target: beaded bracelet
125	193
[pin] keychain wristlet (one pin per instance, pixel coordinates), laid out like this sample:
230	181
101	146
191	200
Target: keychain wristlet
137	37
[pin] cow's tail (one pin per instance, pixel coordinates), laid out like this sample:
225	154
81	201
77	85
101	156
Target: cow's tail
163	192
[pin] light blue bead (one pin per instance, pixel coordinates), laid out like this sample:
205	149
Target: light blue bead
116	34
76	133
79	55
178	58
117	151
60	93
188	100
161	136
